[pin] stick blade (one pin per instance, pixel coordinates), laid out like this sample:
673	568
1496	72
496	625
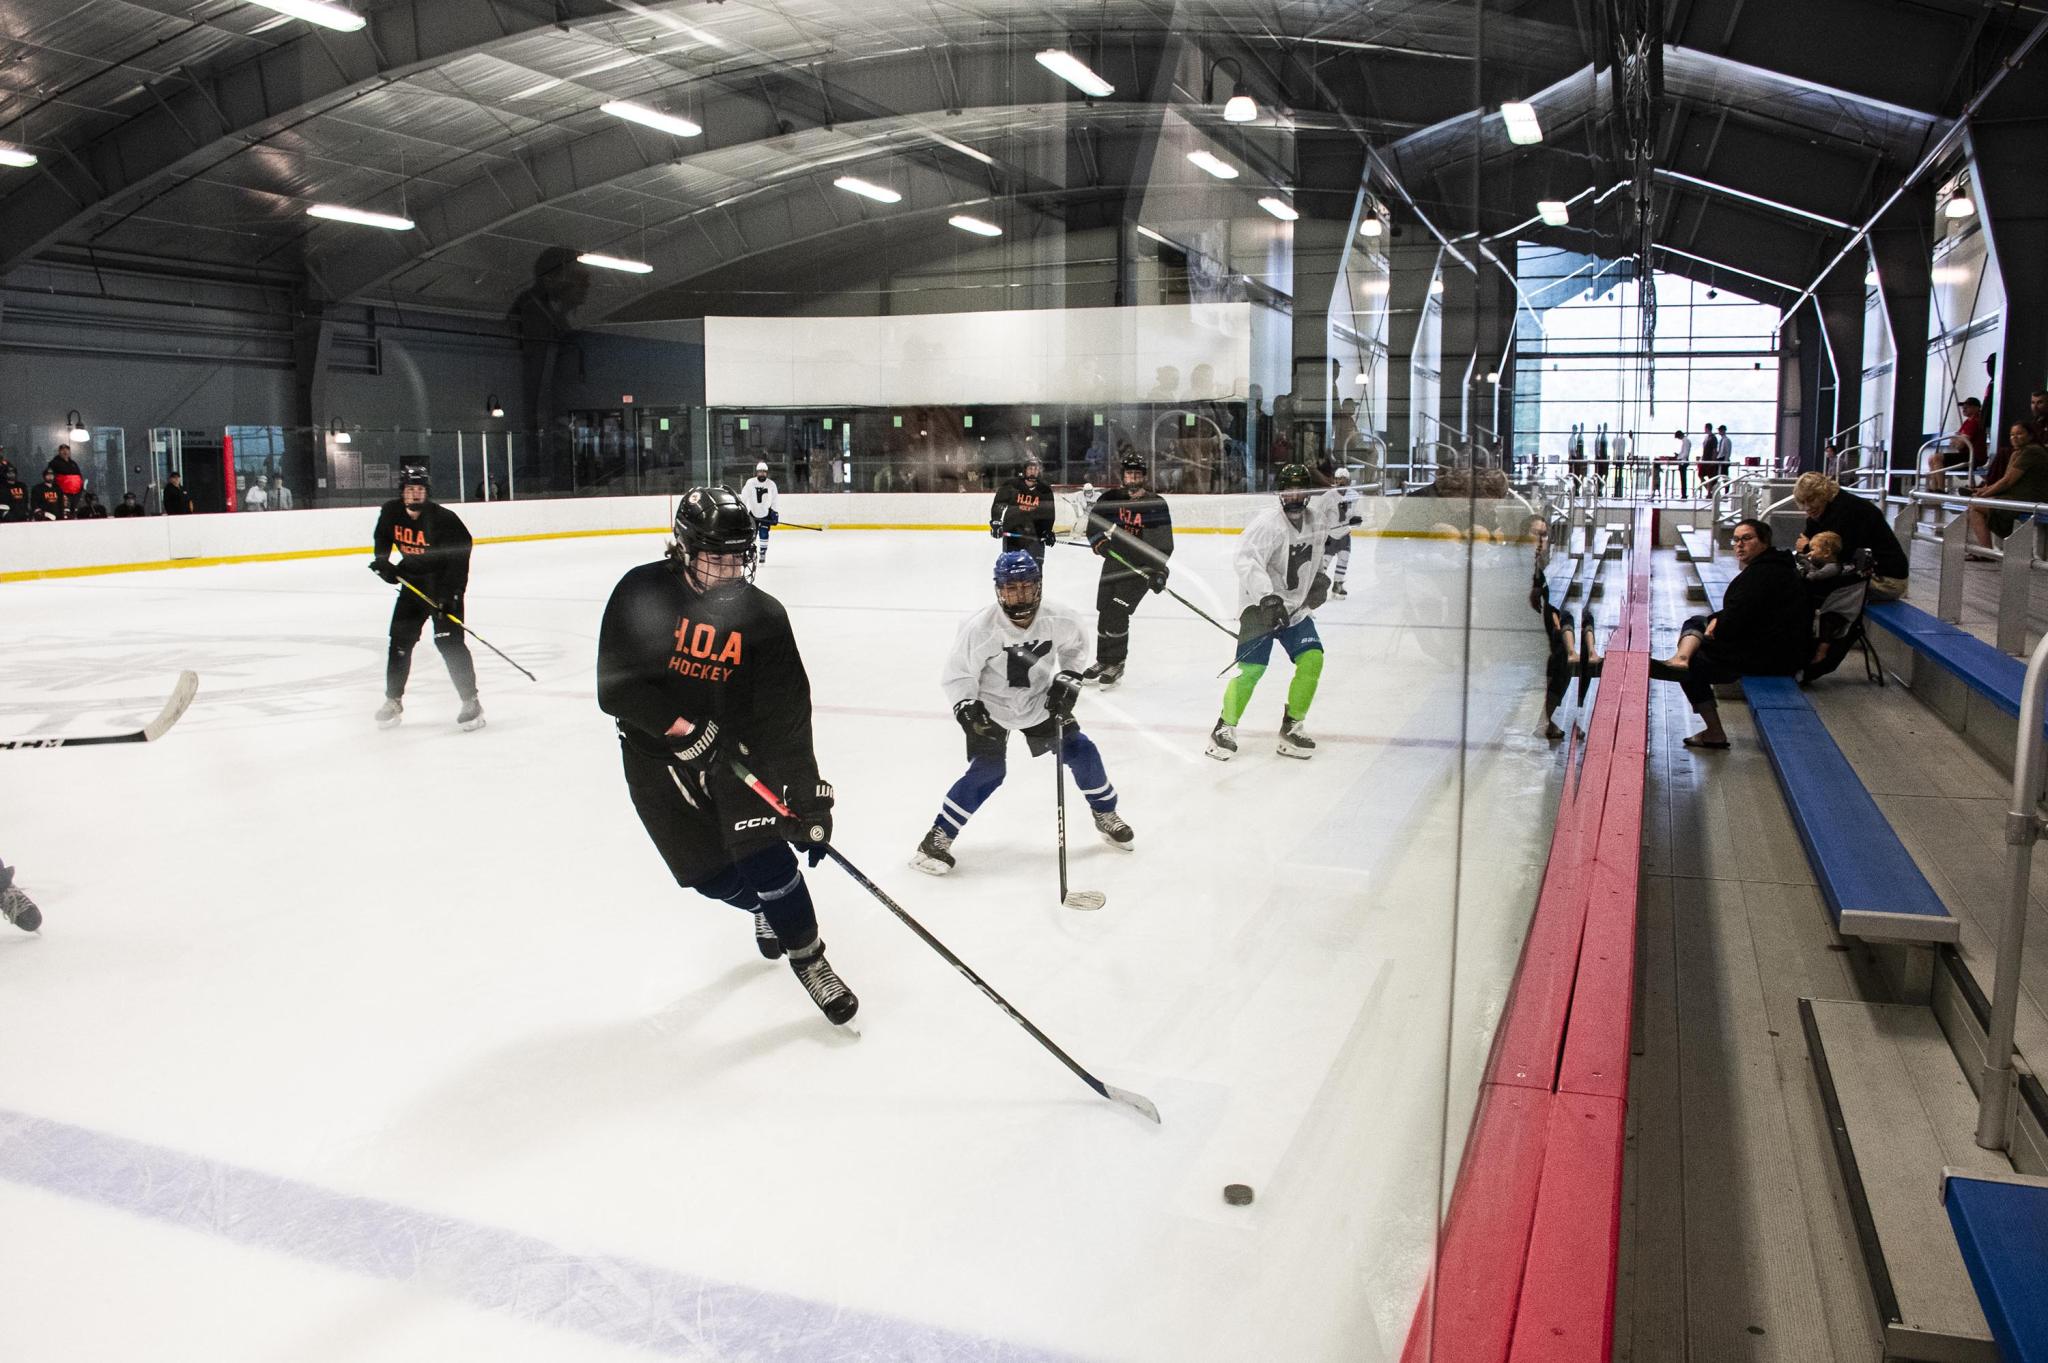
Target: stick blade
1133	1100
1085	899
181	699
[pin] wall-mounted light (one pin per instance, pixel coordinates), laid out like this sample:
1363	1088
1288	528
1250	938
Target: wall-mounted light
492	404
1960	207
1554	212
1240	107
1362	378
1371	227
338	433
1870	280
76	424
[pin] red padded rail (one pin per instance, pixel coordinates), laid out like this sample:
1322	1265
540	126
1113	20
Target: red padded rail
1525	1267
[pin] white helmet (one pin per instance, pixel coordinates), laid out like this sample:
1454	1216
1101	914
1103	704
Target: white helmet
761	467
1343	475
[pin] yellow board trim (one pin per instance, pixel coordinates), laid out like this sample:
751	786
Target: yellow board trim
288	555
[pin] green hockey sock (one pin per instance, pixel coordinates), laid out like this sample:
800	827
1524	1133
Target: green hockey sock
1301	692
1238	694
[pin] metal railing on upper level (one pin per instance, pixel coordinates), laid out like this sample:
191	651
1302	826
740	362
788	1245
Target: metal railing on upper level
1953	535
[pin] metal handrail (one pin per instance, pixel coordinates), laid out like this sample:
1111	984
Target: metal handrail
1874	416
1222	438
1988	503
2022	831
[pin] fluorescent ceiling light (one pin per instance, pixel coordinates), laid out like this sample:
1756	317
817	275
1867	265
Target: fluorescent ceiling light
1241	108
1154	236
1075	72
609	64
1961	206
855	185
11	155
1215	165
604	262
974	225
1371	227
1520	116
651	118
963	149
1555	212
337	213
318	12
1279	208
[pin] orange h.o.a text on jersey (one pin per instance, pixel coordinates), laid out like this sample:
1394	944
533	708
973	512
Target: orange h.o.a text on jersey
411	539
701	652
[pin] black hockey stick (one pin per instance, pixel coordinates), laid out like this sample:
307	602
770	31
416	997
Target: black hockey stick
1078	899
181	697
1168	590
466	629
1109	1091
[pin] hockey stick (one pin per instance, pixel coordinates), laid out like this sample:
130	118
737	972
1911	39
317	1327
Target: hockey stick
466	629
1168	590
795	525
181	698
1109	1091
1078	899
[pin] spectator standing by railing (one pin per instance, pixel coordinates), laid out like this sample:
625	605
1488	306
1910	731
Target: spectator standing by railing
2025	480
255	499
280	495
1623	448
1682	454
1861	525
177	501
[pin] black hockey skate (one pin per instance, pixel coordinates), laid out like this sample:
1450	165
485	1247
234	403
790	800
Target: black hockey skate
1113	829
1106	674
391	713
765	938
15	906
1294	740
934	855
826	989
472	716
1337	589
1223	741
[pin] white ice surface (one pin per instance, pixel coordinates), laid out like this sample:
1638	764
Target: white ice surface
440	985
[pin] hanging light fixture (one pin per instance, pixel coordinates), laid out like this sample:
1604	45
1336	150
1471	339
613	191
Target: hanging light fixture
76	424
21	158
1371	227
492	404
338	433
1961	206
1524	129
1075	72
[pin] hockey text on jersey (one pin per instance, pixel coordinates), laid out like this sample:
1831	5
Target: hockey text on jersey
701	652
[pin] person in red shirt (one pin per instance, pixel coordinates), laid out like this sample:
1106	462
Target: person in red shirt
1969	439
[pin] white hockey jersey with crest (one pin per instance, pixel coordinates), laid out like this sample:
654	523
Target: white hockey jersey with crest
1275	559
760	495
1008	669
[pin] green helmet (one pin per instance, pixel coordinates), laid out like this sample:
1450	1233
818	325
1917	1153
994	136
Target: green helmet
1294	476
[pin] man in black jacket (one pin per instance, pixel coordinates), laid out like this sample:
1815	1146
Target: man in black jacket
70	480
699	667
177	501
433	557
1132	523
1022	514
1763	629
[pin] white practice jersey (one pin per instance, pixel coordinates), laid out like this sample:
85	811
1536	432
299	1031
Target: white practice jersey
759	495
1275	559
1008	669
1347	500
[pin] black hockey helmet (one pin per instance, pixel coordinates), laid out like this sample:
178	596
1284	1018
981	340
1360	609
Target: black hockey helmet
713	520
1133	462
1296	485
413	473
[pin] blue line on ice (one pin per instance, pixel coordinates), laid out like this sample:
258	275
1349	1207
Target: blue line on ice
623	1301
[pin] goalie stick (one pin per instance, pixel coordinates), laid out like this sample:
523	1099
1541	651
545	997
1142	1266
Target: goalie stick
181	697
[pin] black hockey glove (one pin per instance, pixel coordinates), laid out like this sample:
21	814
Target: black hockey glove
1318	592
1268	616
774	519
809	822
1155	578
995	530
695	751
386	569
1061	693
974	718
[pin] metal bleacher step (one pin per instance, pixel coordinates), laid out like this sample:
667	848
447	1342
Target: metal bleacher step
1900	1111
1695	544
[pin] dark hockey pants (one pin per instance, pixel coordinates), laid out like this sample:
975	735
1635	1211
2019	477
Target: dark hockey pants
408	616
987	764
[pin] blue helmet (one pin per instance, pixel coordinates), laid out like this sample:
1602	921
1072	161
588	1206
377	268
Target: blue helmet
1017	566
1019	585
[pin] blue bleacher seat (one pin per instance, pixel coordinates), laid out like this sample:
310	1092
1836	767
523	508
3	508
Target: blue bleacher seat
2001	1226
1994	675
1872	887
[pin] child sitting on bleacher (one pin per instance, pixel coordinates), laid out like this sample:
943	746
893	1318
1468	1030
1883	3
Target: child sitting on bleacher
1822	560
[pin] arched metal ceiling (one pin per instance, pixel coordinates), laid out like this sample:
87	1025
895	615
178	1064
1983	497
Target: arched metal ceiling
197	131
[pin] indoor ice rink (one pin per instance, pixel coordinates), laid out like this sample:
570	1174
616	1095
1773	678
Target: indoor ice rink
1519	518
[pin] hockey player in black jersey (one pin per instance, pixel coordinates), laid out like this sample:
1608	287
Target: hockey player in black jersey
433	555
1022	514
1132	523
698	666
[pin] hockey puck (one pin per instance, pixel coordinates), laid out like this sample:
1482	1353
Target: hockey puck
1237	1194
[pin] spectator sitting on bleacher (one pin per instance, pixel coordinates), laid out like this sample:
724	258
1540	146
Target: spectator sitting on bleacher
2025	480
1860	524
1763	629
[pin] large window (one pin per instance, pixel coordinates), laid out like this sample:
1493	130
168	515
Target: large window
1584	365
